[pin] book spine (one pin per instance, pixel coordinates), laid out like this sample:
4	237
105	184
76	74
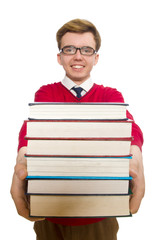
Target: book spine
80	156
82	139
83	120
78	178
79	103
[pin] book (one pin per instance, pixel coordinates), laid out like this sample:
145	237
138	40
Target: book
79	206
59	110
78	129
78	166
60	186
80	147
78	159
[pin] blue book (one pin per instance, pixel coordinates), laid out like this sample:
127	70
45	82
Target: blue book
78	178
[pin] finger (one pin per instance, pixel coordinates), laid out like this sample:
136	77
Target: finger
132	173
33	219
23	210
21	171
18	190
135	202
137	195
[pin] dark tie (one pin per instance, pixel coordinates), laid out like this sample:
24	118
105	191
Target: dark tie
78	91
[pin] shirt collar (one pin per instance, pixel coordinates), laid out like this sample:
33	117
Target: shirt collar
68	83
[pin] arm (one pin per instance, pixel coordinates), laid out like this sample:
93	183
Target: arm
138	183
18	187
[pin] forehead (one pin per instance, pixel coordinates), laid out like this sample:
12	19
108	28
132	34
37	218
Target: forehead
78	39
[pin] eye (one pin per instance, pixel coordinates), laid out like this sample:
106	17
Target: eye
87	50
69	50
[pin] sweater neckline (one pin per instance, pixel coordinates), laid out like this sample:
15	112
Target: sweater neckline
81	98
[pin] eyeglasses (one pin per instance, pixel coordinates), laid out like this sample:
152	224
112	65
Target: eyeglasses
71	50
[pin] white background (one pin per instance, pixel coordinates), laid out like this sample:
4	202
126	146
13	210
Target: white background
129	61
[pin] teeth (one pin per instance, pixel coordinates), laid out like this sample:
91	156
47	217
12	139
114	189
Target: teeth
77	66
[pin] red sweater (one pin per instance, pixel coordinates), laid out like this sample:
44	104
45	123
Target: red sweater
56	92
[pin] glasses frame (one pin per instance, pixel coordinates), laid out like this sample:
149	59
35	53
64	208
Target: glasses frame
76	49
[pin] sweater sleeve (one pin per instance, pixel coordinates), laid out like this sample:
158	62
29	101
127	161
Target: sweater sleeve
22	141
136	133
113	95
42	95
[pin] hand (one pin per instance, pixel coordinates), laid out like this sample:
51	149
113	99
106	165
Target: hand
18	188
137	184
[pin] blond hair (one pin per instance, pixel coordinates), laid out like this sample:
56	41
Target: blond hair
78	26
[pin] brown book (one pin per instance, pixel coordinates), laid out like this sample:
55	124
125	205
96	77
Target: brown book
79	206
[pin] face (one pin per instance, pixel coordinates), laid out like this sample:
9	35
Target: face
78	67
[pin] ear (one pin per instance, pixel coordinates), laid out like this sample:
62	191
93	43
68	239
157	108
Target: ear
59	58
96	59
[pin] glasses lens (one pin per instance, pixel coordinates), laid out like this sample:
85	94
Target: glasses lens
87	51
70	50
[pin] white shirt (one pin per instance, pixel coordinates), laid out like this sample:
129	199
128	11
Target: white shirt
69	84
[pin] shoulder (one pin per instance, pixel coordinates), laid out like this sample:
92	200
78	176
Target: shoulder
110	94
45	93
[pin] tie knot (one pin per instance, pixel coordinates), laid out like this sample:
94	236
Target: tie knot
78	91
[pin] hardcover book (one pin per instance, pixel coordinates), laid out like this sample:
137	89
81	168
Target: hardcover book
78	166
79	147
59	110
80	186
78	129
79	206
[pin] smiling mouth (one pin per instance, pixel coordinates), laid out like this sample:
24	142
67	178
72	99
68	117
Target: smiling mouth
77	66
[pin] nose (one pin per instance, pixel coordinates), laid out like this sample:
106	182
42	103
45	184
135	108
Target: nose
78	54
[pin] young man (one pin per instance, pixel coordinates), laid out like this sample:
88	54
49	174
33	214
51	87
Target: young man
78	42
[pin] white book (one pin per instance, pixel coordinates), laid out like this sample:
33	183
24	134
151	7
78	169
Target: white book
77	166
78	129
73	186
90	111
84	147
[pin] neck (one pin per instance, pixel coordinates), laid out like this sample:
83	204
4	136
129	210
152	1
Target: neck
78	81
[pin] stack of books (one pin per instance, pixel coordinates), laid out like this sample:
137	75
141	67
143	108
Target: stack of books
78	159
